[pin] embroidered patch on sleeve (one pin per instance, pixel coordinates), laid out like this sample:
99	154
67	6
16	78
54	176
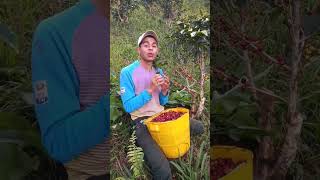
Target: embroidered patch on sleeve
122	90
41	92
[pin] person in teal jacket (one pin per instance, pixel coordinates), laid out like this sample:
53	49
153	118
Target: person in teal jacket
70	77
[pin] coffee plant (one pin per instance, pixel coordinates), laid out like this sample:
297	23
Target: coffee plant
260	99
192	36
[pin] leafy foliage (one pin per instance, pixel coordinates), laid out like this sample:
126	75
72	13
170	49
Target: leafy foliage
195	167
170	9
135	155
180	97
233	107
121	9
193	34
17	138
8	36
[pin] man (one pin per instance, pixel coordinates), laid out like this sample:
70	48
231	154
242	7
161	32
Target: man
70	76
144	90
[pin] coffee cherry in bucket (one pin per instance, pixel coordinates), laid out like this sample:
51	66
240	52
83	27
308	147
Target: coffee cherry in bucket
167	116
220	167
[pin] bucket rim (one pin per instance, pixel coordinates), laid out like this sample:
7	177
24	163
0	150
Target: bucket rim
148	120
231	148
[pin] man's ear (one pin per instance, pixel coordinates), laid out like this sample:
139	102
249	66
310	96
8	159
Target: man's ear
138	50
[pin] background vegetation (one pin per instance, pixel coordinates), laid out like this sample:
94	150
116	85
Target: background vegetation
265	93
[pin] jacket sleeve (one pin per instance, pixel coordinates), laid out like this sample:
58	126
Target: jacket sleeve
131	102
66	130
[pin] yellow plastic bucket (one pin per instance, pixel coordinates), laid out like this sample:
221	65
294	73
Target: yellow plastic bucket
173	137
243	171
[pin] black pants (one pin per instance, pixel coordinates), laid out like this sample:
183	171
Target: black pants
154	157
101	177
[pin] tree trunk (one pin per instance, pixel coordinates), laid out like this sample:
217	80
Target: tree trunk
294	117
265	150
167	9
202	99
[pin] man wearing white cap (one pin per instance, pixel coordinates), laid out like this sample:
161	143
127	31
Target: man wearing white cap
144	91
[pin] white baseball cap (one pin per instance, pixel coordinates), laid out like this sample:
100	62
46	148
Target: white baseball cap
147	33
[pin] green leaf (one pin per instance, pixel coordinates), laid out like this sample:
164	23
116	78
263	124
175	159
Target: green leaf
203	163
15	163
120	178
274	14
313	160
205	32
311	24
178	168
243	116
201	154
22	138
242	3
10	120
115	114
115	105
234	134
181	177
8	36
229	104
27	97
16	129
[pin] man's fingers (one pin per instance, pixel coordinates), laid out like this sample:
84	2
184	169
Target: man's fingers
158	76
166	78
160	79
154	81
160	82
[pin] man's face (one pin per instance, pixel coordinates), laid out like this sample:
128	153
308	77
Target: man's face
148	49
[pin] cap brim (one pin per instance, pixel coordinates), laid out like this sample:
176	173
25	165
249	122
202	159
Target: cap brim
147	33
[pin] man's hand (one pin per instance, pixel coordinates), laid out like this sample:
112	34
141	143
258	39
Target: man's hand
165	85
155	81
162	81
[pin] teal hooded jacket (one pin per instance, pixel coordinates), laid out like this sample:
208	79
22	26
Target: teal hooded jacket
70	77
